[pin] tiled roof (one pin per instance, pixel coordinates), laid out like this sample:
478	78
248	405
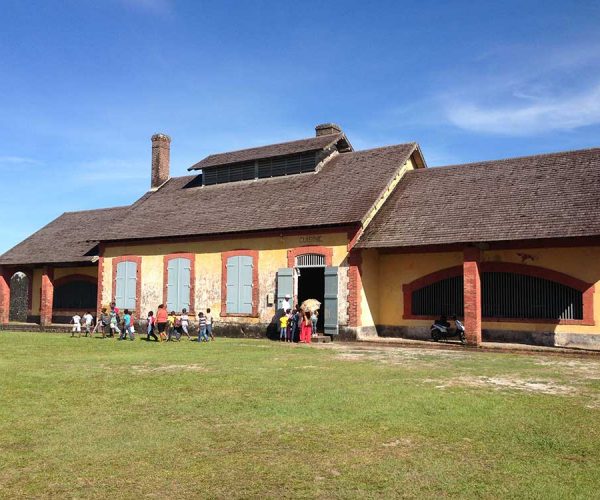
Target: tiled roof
341	192
534	197
270	151
69	238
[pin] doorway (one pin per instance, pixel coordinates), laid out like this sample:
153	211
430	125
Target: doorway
311	285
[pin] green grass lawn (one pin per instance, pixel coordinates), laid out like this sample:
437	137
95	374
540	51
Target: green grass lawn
253	418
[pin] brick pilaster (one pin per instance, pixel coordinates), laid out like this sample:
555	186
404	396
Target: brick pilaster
354	288
472	295
47	298
4	297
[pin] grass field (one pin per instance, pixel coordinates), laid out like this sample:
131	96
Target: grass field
250	418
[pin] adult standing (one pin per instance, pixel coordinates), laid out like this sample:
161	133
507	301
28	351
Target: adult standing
306	330
285	303
161	320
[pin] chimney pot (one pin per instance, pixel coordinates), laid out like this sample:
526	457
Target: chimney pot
327	129
161	152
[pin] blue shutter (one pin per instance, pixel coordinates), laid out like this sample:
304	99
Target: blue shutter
179	273
172	285
120	284
331	301
245	284
185	278
285	284
130	287
233	302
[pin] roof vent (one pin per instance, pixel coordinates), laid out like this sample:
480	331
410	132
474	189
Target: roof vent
328	129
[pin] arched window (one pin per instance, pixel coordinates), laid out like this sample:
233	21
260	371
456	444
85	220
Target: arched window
508	291
75	294
20	291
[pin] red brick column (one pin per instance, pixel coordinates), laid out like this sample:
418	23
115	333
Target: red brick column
354	288
4	297
47	296
472	295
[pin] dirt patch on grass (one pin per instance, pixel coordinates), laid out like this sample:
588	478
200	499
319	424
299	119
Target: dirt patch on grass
506	383
168	368
577	368
395	355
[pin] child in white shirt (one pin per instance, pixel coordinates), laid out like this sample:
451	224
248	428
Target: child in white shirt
185	323
88	319
76	320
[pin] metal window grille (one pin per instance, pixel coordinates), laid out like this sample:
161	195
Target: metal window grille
310	260
442	297
509	295
504	295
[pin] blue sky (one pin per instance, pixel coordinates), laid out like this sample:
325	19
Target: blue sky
85	83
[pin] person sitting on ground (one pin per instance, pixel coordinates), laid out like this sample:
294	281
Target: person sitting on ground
151	326
184	324
76	320
202	336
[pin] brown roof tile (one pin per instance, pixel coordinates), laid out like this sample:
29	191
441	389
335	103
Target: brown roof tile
535	197
270	151
342	192
69	238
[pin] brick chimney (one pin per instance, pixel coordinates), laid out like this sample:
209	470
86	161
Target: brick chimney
161	152
327	128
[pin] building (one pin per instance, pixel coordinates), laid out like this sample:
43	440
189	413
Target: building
384	242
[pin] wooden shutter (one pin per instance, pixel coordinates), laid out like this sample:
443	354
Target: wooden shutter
246	284
285	284
179	273
233	274
131	285
331	301
120	285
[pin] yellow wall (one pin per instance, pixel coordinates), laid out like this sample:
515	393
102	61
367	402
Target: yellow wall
272	256
61	272
396	270
369	306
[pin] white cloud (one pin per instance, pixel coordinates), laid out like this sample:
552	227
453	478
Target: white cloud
18	160
528	114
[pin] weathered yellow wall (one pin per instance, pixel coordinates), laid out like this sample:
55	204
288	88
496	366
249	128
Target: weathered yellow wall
272	256
61	272
36	290
369	306
396	270
106	297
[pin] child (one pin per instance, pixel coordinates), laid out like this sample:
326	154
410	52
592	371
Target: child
171	322
291	326
76	320
114	322
127	326
306	330
151	326
314	318
88	319
202	336
209	324
185	323
101	322
283	323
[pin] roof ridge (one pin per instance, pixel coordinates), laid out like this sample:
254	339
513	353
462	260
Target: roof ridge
412	143
93	210
271	144
513	158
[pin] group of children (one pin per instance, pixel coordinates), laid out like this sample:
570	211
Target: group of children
169	326
299	324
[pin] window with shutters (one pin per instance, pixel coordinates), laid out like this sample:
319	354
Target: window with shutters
179	282
239	283
126	282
